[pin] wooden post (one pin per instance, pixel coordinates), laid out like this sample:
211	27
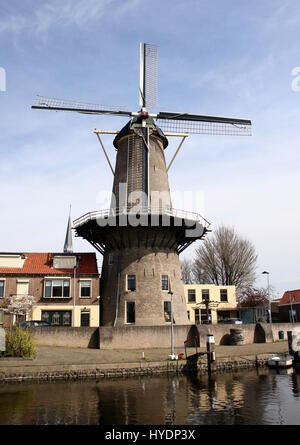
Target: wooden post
211	354
290	341
291	351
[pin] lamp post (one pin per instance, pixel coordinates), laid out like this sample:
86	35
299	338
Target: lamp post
172	356
268	283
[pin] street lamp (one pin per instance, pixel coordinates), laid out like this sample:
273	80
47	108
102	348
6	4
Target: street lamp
172	356
268	282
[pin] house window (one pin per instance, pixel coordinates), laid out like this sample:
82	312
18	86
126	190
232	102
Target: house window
197	316
131	283
205	317
191	296
2	284
188	314
164	282
85	318
205	294
85	288
130	312
57	318
57	289
110	259
223	296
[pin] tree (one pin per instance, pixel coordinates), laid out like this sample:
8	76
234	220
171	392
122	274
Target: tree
254	297
186	271
226	259
20	305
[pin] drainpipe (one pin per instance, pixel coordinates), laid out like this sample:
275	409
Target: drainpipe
74	293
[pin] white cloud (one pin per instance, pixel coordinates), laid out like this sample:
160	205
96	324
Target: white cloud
55	13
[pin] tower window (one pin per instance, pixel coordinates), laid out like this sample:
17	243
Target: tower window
167	311
110	259
131	283
164	282
130	312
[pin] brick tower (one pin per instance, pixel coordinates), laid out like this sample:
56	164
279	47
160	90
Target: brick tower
141	235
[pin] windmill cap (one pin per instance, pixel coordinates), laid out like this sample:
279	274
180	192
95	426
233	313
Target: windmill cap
126	130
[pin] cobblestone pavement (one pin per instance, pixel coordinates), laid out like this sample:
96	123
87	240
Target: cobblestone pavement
60	357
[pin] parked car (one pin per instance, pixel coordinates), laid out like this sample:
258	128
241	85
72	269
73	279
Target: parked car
231	321
33	324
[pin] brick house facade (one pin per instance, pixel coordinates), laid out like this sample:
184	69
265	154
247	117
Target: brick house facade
49	278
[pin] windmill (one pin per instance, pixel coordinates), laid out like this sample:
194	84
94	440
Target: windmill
141	235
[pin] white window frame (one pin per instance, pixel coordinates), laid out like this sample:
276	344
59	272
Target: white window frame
85	279
57	279
127	275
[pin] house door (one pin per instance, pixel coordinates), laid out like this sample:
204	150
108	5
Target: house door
85	318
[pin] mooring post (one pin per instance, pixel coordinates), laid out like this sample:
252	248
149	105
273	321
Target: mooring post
290	341
291	351
211	354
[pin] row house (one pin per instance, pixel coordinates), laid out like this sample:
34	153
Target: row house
65	287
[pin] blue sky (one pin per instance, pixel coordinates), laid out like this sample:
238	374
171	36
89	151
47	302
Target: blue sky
228	58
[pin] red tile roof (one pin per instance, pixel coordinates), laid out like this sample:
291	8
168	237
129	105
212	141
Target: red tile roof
41	264
290	296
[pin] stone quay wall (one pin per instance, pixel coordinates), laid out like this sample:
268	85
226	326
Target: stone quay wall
126	370
145	337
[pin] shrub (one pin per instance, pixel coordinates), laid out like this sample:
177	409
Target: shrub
20	342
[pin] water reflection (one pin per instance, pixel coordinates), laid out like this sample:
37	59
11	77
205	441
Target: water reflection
256	397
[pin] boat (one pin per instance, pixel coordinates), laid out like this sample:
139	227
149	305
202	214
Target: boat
280	361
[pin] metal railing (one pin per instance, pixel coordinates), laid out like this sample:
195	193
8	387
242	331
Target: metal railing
175	213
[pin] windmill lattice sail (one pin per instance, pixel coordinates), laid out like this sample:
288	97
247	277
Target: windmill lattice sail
148	75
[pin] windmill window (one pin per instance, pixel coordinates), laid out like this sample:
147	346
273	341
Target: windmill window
130	312
85	288
165	282
167	311
131	283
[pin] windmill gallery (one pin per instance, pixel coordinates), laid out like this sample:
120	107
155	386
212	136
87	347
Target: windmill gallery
141	235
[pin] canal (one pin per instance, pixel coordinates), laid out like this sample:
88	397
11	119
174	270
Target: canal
251	397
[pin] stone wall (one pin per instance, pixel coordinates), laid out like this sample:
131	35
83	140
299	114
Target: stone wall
83	337
285	327
142	337
145	337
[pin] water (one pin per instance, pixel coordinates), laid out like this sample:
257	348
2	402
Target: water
255	397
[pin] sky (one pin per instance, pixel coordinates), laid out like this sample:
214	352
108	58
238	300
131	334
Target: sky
221	58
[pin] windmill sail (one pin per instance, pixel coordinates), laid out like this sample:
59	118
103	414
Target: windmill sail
48	103
198	124
148	75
